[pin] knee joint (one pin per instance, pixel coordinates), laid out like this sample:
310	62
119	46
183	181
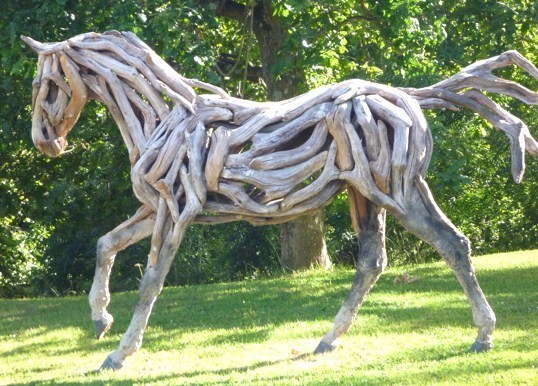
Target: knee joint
371	269
462	248
151	284
457	251
105	248
372	264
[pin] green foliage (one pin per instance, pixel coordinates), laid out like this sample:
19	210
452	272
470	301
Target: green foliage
53	211
473	178
20	257
262	332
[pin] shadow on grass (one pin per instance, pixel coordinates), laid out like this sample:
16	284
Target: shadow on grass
172	378
249	312
279	301
444	372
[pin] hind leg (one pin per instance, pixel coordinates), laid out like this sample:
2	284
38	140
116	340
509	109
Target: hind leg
369	222
429	223
131	231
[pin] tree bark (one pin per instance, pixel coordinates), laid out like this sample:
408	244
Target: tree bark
302	241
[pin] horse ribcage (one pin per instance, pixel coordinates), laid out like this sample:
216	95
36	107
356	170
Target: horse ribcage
280	160
287	166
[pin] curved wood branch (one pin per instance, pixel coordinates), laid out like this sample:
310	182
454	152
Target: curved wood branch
463	90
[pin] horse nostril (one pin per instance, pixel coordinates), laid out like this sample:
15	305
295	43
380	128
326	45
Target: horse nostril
52	148
45	133
57	146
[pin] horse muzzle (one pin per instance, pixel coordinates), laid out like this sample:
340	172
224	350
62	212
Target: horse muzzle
52	147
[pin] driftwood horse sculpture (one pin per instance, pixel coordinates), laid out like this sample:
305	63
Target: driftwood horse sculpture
211	158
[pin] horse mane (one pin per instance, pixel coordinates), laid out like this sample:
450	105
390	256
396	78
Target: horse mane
138	86
134	51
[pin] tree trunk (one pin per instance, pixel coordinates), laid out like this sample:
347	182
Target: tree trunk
302	241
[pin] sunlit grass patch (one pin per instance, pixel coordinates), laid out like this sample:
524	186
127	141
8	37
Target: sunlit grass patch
263	332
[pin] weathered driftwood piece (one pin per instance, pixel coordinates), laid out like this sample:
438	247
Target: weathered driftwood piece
451	93
214	159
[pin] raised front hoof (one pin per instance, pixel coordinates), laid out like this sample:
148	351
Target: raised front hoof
324	348
101	328
481	346
110	364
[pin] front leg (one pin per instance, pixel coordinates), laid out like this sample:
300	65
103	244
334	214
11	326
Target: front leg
156	271
372	260
129	232
150	287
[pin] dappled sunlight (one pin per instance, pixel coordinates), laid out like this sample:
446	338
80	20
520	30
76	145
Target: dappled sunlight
45	351
264	331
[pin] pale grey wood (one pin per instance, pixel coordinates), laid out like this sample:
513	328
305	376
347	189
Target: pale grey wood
330	173
277	183
366	121
381	166
213	159
216	157
336	119
284	158
196	148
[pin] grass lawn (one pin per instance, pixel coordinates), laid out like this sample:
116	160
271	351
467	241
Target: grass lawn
263	331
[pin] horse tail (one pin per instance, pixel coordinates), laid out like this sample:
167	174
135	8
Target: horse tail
466	89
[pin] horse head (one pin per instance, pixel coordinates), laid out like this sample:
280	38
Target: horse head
59	95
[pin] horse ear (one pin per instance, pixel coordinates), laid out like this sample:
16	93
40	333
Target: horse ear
43	48
33	44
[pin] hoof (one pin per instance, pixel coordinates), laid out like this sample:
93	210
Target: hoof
324	348
479	346
110	364
101	328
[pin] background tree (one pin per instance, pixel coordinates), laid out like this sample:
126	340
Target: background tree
302	241
53	211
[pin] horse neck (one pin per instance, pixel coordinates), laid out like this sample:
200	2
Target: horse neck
138	87
136	107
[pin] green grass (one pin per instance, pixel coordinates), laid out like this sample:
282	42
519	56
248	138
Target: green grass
261	332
